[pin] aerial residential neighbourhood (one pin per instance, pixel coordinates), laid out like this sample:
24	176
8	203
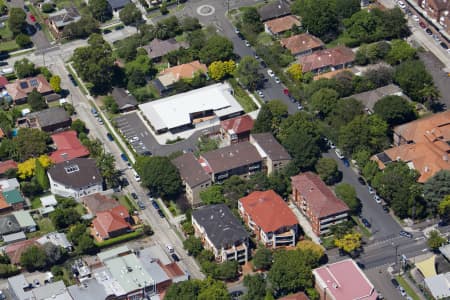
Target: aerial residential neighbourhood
224	150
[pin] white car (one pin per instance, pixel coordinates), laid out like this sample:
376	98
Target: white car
260	93
136	176
448	51
271	73
370	189
401	4
339	153
299	107
247	43
236	31
134	139
377	199
277	80
402	291
331	144
415	18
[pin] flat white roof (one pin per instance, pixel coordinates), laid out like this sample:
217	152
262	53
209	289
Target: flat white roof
174	111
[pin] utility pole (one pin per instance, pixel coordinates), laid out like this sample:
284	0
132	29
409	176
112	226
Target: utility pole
396	254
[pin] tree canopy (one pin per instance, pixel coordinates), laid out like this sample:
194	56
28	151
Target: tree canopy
349	242
262	259
36	100
30	142
413	78
130	15
346	192
435	240
270	117
327	169
256	287
216	48
208	289
247	73
17	20
25	68
33	258
100	10
436	188
159	175
395	110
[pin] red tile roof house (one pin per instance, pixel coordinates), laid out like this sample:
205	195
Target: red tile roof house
327	60
317	202
68	147
343	280
7	165
270	218
302	44
20	89
111	223
280	25
236	130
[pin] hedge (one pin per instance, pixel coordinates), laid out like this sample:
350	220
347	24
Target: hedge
122	238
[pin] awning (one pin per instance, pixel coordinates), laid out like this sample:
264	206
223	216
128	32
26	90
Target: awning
427	267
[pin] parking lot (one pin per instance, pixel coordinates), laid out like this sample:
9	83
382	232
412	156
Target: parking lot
136	133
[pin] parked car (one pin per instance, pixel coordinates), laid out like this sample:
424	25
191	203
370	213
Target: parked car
422	24
236	294
110	137
72	79
100	120
361	180
263	64
339	153
415	18
175	257
402	291
260	93
161	214
38	26
386	208
120	27
36	283
3	63
155	204
271	73
401	4
395	283
247	43
428	31
346	162
106	31
236	31
134	195
444	45
370	189
366	223
377	199
32	18
141	205
26	8
406	234
125	182
299	107
124	157
277	80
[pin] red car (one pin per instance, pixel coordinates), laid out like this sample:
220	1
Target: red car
32	18
422	24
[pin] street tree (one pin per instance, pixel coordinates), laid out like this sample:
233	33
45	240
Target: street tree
193	245
216	48
251	21
79	126
435	240
130	15
307	246
81	29
100	10
23	40
262	260
25	68
444	209
395	110
17	20
349	242
436	188
346	192
328	171
270	117
295	72
400	51
346	8
55	83
106	164
412	77
247	73
190	24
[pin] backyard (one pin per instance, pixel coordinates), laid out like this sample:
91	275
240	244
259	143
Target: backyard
7	43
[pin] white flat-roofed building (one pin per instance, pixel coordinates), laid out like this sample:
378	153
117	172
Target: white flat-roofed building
183	111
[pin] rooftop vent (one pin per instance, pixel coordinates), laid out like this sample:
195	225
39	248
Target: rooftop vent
71	169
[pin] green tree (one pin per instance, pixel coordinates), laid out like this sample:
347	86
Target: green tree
193	245
33	258
307	246
290	272
106	163
159	175
216	48
208	289
444	209
295	72
41	176
55	83
226	271
346	8
270	117
369	132
36	100
100	10
212	195
55	254
370	170
328	170
412	77
86	245
436	188
130	15
324	101
30	142
400	51
251	21
247	73
344	112
47	8
262	260
25	68
435	240
81	29
397	186
206	144
23	41
395	110
95	64
318	17
78	126
256	287
17	20
347	193
190	24
63	218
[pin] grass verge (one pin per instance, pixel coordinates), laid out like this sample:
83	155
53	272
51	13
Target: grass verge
408	288
242	97
365	232
75	76
125	201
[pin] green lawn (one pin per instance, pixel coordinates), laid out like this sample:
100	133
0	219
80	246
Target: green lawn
9	46
125	201
408	288
242	97
36	203
328	242
45	225
5	32
366	232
